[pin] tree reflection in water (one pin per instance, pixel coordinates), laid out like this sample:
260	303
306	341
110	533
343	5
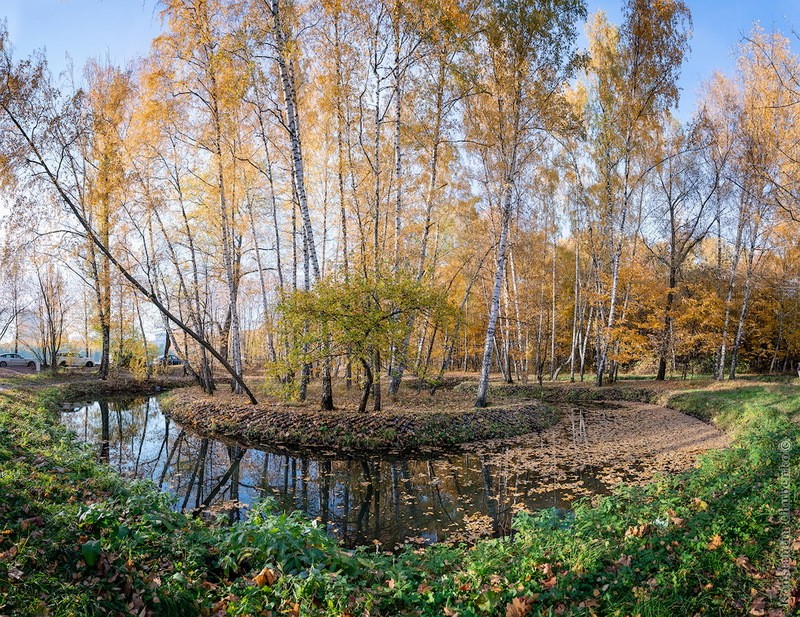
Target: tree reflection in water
360	500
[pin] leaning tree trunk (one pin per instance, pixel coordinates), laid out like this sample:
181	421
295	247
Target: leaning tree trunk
92	234
362	405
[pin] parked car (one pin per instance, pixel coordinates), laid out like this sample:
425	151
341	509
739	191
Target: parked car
14	359
172	360
73	358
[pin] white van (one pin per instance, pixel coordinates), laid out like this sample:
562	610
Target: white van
73	358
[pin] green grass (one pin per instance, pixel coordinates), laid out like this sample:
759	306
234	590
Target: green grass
738	407
78	540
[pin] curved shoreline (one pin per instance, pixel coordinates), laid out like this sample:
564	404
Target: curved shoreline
274	425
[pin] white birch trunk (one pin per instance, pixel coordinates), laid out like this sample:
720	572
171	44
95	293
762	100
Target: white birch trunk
494	310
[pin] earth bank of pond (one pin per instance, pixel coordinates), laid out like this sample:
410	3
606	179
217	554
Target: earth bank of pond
425	496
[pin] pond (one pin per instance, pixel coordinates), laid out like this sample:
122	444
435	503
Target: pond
427	497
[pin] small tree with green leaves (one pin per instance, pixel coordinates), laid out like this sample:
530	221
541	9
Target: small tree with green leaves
361	318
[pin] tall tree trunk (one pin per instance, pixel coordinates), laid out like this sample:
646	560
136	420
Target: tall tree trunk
553	312
577	309
494	310
720	372
737	341
522	351
667	332
261	279
376	385
292	122
398	151
398	365
227	230
781	319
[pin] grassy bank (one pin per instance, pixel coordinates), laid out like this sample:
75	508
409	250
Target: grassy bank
77	540
734	407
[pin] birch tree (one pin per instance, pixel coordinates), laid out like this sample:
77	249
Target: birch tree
632	76
528	49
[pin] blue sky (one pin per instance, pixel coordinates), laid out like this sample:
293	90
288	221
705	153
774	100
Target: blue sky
119	30
122	29
718	27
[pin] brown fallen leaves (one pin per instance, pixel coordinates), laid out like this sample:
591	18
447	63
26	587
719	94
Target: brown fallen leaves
638	531
623	562
744	563
759	609
550	579
519	607
674	518
267	577
714	543
15	574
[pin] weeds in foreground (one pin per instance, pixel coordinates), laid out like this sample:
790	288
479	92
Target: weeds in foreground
75	539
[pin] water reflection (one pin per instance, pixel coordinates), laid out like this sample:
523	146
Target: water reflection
465	494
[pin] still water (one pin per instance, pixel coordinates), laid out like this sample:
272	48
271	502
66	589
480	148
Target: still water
426	498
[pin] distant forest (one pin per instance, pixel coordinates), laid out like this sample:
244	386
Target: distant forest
359	191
